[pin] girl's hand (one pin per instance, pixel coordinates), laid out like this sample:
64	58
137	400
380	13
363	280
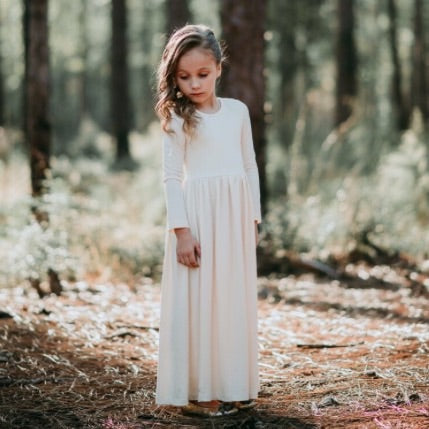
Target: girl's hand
188	249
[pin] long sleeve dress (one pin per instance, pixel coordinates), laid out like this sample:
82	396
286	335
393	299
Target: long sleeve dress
208	331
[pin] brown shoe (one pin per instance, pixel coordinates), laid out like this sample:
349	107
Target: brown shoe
222	409
244	405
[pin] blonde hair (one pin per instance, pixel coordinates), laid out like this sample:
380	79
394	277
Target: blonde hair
181	41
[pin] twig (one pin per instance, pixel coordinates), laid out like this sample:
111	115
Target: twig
327	346
155	328
122	334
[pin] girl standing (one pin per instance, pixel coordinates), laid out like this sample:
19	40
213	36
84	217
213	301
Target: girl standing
208	331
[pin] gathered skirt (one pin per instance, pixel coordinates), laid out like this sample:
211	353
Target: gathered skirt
208	330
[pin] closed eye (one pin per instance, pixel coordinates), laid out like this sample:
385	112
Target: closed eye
202	75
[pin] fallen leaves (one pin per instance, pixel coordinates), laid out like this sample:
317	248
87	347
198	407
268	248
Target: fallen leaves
330	356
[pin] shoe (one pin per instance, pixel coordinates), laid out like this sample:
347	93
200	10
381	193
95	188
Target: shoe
223	409
244	405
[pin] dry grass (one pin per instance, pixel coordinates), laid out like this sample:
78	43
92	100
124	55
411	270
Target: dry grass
331	356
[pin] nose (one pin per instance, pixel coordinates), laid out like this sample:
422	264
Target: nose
195	83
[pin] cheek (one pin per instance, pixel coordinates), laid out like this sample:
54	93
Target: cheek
181	85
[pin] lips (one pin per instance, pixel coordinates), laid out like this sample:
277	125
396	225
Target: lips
197	94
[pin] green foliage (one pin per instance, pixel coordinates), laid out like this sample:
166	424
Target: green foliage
110	225
80	63
30	250
102	223
390	206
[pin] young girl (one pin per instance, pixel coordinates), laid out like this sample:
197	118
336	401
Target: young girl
208	332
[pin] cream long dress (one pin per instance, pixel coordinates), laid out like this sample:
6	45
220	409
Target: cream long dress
208	332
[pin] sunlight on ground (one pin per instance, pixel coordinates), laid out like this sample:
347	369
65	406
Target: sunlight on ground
331	355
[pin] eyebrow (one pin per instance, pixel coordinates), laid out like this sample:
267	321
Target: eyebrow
200	69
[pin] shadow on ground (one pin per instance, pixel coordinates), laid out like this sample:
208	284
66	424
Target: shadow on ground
50	381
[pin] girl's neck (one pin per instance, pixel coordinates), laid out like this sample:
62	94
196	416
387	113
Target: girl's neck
211	106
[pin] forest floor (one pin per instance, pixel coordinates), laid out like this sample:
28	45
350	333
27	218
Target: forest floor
333	354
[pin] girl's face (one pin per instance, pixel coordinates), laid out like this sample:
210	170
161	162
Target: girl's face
196	76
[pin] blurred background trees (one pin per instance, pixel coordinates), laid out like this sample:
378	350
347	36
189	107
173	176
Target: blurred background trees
121	111
346	59
37	122
243	26
177	14
338	95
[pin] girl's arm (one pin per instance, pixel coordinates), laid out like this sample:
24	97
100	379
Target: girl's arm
250	165
187	249
173	156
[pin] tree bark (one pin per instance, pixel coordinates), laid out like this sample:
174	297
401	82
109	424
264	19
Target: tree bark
37	119
243	26
177	14
283	17
346	58
2	118
120	99
398	99
419	83
83	41
26	42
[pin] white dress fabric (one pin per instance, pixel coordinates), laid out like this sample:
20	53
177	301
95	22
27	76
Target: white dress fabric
208	331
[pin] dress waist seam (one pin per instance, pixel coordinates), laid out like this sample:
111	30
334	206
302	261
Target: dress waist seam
212	176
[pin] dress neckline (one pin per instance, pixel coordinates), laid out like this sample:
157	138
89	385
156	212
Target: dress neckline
213	113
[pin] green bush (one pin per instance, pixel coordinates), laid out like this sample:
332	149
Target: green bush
102	223
390	206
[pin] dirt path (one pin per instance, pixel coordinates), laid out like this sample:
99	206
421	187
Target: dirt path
330	357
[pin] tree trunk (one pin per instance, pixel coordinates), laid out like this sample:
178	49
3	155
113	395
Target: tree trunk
419	83
399	104
26	42
146	76
84	104
37	120
120	99
243	25
283	17
346	57
177	14
2	118
36	104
